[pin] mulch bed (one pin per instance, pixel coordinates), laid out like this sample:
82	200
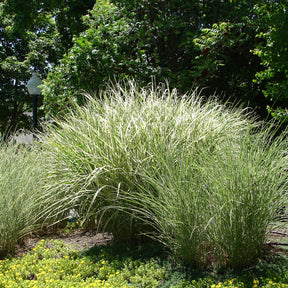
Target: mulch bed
83	239
79	238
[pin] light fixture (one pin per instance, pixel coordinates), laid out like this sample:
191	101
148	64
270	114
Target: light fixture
34	91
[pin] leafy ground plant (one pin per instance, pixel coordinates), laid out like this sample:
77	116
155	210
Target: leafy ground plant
203	179
53	264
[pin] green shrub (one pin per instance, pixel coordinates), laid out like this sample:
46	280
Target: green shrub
108	49
203	179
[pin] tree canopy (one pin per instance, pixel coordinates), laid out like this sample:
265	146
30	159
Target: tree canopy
34	40
237	49
273	52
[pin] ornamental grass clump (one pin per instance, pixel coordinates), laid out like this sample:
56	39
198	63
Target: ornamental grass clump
20	181
215	211
109	145
249	184
202	178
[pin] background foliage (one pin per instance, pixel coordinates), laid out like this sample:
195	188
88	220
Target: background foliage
108	47
236	48
34	40
273	19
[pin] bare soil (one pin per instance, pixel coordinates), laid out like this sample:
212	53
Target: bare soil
78	238
277	241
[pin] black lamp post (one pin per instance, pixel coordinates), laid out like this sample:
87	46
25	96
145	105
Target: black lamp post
34	91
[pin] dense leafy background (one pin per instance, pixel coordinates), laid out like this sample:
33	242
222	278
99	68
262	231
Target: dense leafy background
273	20
34	40
236	48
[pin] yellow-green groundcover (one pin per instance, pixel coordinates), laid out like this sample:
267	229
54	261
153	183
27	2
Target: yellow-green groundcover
53	264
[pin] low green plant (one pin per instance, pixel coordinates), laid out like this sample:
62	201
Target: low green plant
53	264
20	179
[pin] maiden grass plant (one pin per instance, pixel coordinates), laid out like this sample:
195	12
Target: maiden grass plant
249	184
202	178
102	149
216	212
20	181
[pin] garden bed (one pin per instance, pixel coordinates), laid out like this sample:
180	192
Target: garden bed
78	238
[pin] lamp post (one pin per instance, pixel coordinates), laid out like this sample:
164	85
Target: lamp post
34	91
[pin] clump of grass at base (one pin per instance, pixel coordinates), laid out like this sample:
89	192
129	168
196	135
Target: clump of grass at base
249	184
199	177
20	174
216	212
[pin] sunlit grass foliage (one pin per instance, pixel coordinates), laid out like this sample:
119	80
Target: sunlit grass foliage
216	210
21	172
202	178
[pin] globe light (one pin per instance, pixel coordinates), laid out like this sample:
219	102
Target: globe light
34	91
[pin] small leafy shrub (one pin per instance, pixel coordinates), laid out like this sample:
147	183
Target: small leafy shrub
53	264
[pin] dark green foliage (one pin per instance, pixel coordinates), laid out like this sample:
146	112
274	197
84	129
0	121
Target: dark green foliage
225	63
273	51
174	40
20	50
173	26
67	15
111	47
34	40
217	45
